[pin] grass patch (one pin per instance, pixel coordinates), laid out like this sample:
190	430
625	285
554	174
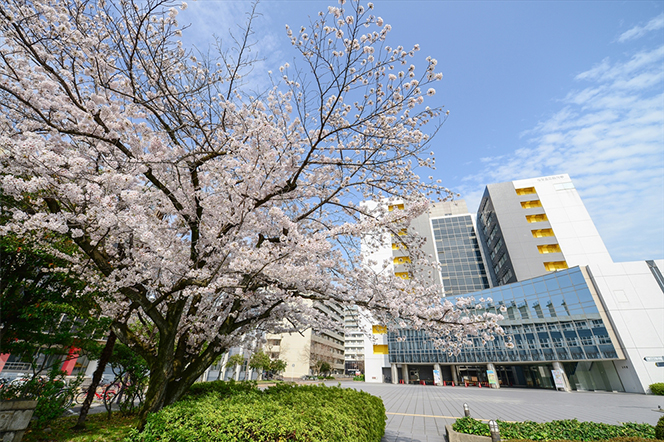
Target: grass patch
98	429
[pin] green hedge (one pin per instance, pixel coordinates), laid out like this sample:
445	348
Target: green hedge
220	388
286	412
613	439
657	388
659	429
556	430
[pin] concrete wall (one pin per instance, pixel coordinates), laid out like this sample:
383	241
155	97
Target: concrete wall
635	305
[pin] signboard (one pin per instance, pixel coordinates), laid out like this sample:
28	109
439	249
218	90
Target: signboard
493	379
436	378
558	378
654	359
659	364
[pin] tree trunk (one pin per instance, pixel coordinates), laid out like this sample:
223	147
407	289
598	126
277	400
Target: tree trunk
156	393
96	378
164	390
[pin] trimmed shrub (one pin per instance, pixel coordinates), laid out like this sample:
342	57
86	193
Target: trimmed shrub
659	429
220	388
657	388
556	430
306	413
615	439
359	378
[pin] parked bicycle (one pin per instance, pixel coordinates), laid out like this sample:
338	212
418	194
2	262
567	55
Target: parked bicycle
104	394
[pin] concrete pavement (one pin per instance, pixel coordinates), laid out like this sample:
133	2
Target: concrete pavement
418	413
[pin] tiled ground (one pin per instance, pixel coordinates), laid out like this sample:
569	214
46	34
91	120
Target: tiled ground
417	413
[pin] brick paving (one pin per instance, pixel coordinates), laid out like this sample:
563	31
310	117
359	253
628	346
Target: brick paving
417	413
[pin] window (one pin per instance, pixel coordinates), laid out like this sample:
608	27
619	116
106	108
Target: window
540	217
597	323
587	340
549	248
540	327
531	204
604	339
581	325
525	191
555	265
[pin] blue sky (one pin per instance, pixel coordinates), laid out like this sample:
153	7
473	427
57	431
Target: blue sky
533	88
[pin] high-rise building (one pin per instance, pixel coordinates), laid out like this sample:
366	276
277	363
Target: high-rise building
534	226
577	319
449	233
354	338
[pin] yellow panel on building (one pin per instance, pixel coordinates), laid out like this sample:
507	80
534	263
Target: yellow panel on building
549	248
395	207
402	275
541	233
402	260
525	191
531	204
381	350
537	218
555	265
379	329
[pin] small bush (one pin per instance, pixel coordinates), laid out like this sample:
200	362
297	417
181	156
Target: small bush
657	388
659	429
304	413
359	378
556	430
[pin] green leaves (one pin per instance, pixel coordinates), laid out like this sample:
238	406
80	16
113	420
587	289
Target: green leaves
657	388
228	411
556	430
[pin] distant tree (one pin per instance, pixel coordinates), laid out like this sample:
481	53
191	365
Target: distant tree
277	366
325	368
235	361
260	362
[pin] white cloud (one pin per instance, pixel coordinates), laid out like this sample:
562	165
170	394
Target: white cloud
639	31
609	136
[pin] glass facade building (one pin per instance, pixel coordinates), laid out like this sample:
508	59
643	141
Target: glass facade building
550	318
462	268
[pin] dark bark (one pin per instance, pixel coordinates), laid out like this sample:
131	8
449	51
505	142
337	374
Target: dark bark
96	378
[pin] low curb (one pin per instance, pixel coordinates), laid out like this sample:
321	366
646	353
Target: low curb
453	436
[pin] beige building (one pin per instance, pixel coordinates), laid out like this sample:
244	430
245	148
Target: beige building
303	351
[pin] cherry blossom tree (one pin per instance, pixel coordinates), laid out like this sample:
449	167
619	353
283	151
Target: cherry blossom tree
209	214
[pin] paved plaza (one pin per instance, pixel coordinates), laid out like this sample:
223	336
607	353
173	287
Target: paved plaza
418	413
